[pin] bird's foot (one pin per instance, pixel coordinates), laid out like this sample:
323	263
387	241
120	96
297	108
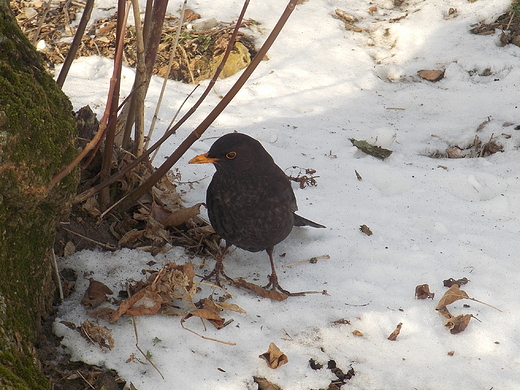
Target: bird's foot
217	272
274	285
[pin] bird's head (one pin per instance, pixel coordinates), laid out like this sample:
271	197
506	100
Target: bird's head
234	152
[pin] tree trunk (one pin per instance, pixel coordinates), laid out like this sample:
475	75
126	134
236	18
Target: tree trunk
37	135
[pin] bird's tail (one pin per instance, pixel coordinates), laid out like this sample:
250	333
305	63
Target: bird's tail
300	221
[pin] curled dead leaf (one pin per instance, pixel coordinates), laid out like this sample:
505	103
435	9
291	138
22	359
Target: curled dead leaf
357	333
98	335
175	218
95	295
126	305
274	357
450	282
395	333
365	229
423	291
264	384
458	324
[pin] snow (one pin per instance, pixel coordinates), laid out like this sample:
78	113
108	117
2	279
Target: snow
432	219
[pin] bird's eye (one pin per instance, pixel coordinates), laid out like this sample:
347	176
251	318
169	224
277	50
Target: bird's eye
231	155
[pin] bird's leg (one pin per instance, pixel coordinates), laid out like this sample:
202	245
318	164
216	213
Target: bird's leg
219	268
273	278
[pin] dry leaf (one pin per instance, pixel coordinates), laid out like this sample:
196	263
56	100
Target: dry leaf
450	282
453	294
458	324
91	206
357	333
206	314
95	295
131	236
274	357
230	306
395	333
431	75
69	249
103	312
272	294
148	304
423	291
127	304
97	335
264	384
175	218
451	353
365	229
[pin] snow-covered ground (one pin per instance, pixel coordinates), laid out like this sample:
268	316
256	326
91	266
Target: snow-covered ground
431	219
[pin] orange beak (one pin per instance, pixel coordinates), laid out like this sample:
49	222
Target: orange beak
202	158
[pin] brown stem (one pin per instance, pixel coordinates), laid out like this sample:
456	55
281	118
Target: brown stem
123	8
95	142
75	43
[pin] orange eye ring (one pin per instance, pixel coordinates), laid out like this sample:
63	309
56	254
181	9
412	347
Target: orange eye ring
231	155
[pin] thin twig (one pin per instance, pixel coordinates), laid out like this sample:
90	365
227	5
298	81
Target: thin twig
76	42
205	337
96	141
167	76
171	122
311	260
41	21
85	379
106	246
140	350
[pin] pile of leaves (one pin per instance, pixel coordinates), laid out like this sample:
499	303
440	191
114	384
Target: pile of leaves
156	223
508	23
201	44
455	323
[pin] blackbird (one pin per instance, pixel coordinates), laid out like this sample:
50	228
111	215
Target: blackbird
250	200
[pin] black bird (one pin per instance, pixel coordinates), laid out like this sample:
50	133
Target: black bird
250	200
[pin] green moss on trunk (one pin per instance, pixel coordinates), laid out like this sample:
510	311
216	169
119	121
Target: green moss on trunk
37	135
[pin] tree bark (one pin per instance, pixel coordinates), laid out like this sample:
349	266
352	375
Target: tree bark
37	138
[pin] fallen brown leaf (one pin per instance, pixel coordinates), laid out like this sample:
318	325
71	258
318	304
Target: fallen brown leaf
264	384
453	294
395	333
458	324
274	357
272	294
450	282
97	335
127	304
423	291
148	304
95	295
357	333
206	314
103	312
365	229
431	75
175	218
